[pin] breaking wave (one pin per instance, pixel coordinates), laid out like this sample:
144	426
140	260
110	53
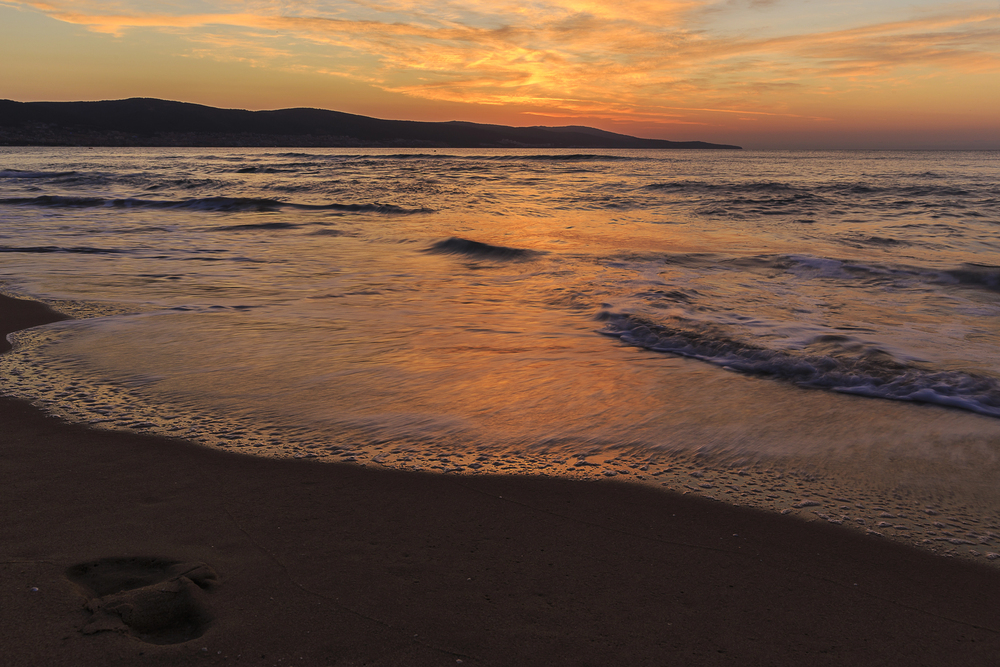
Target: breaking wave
832	362
459	246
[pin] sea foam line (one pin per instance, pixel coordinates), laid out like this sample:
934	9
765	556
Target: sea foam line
870	372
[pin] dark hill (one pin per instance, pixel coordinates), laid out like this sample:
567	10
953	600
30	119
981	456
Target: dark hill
152	122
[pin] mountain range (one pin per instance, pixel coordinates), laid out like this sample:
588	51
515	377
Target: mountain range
154	122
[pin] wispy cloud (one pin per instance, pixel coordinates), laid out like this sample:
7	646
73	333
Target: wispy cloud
624	59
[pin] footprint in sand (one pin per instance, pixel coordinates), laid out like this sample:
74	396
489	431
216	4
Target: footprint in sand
156	600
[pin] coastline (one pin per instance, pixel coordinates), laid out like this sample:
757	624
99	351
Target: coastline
332	563
151	122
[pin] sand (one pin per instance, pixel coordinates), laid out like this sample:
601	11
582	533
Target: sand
118	548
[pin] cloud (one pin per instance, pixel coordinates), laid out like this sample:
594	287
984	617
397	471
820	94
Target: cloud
624	59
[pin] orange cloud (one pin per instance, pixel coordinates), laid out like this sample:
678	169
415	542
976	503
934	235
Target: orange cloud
569	58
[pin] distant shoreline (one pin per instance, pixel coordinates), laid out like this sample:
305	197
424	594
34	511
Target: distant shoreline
144	122
46	137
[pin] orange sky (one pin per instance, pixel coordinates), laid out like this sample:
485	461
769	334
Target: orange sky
759	73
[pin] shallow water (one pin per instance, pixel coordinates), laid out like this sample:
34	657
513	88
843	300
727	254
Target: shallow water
833	314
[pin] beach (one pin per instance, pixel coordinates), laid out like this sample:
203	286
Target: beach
503	407
122	548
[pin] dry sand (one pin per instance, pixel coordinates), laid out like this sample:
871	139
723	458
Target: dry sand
117	548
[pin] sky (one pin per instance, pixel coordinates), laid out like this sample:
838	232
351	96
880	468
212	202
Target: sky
766	74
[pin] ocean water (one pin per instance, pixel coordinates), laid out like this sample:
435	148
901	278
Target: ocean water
824	326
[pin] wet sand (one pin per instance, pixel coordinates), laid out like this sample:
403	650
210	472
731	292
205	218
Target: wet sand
120	548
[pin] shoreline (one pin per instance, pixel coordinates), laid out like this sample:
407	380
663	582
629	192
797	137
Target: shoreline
333	563
939	500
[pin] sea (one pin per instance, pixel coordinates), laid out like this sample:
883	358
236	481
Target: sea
814	333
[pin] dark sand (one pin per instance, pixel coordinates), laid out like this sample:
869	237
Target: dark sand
297	563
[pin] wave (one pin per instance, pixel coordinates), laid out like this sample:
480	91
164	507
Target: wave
211	204
83	250
459	246
286	169
388	209
205	204
17	173
846	189
702	186
871	240
811	267
831	362
261	226
970	275
977	275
